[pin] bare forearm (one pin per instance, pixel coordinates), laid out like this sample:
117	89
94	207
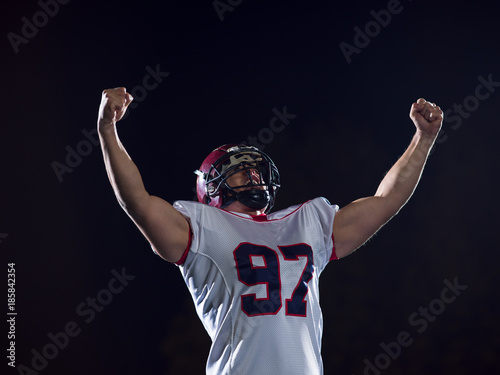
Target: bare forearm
122	171
164	227
355	223
400	182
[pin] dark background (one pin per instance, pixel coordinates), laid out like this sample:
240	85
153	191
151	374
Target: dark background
226	76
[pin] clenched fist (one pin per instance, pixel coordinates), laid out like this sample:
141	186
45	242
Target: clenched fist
114	103
427	117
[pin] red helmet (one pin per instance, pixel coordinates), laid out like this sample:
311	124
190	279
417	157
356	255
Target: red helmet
213	189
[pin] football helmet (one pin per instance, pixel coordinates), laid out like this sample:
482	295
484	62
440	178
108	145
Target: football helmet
212	187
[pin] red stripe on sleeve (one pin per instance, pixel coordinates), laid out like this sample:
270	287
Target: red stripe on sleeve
334	256
181	261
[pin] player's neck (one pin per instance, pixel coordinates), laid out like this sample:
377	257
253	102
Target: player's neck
239	207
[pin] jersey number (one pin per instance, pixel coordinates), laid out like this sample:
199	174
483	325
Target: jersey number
268	273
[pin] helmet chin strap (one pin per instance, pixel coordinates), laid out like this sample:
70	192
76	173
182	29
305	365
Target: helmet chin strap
255	199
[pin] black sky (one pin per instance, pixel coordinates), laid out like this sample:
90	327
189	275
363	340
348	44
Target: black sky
68	236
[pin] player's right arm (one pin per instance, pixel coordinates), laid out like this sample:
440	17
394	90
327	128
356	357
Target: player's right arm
163	226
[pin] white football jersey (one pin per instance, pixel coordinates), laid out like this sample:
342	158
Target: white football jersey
254	282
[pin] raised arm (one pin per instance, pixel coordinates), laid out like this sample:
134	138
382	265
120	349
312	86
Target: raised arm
163	226
355	223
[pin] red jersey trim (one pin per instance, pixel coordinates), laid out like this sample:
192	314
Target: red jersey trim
181	261
261	217
334	255
258	217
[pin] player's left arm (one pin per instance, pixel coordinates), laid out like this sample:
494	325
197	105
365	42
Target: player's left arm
355	223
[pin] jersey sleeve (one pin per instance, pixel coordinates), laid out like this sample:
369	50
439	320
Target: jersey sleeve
326	213
192	211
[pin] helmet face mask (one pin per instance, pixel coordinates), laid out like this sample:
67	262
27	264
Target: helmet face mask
258	184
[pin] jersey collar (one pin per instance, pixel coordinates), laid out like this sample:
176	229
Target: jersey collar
261	217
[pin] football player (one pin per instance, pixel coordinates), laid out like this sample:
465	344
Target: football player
253	274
